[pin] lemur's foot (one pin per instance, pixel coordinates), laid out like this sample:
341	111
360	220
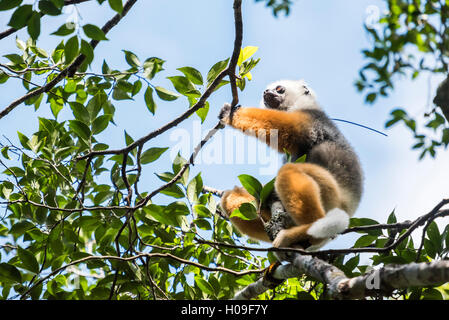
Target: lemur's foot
269	280
226	113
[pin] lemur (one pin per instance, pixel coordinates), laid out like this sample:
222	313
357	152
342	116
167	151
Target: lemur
321	194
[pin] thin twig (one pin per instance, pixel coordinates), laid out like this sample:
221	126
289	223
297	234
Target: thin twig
10	31
71	68
132	258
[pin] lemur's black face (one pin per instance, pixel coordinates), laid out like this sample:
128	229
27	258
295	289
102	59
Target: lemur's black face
273	98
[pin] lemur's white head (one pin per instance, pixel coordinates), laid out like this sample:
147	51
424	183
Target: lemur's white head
289	95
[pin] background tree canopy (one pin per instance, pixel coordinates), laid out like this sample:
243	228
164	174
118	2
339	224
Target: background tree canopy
84	217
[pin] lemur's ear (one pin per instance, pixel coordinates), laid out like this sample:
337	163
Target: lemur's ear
306	90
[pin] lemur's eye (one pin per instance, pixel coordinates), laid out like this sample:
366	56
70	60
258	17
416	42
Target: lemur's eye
280	89
306	90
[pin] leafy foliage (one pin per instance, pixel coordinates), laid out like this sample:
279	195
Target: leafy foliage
76	224
278	6
410	39
78	227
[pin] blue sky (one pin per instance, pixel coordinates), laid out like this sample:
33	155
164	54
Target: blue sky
321	42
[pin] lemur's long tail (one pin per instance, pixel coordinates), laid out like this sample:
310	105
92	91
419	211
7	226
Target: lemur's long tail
335	222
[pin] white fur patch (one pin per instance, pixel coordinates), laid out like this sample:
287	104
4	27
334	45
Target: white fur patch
298	95
335	222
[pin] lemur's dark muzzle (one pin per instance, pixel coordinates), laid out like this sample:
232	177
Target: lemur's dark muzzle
271	99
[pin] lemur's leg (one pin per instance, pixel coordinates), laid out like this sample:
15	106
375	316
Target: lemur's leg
289	126
231	200
307	192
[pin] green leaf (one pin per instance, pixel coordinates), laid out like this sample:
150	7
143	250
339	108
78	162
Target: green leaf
120	94
23	140
178	163
149	101
71	49
151	66
157	212
446	236
165	176
266	191
34	143
202	224
177	208
301	159
430	248
80	112
55	106
20	16
34	25
128	139
9	4
81	129
352	263
9	273
49	8
246	53
87	51
183	85
203	111
370	98
14	58
166	94
364	241
64	30
392	218
434	235
202	211
215	70
5	153
192	74
95	104
6	192
94	32
70	86
21	227
28	259
152	155
432	294
246	211
131	59
136	87
356	222
21	44
194	188
204	285
251	184
116	5
173	191
101	123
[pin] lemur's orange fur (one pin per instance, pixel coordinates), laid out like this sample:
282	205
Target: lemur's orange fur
306	190
231	200
319	195
261	121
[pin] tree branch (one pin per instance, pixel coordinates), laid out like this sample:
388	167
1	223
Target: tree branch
235	55
138	256
71	68
200	103
10	31
383	280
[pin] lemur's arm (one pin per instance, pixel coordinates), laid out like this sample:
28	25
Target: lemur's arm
290	127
